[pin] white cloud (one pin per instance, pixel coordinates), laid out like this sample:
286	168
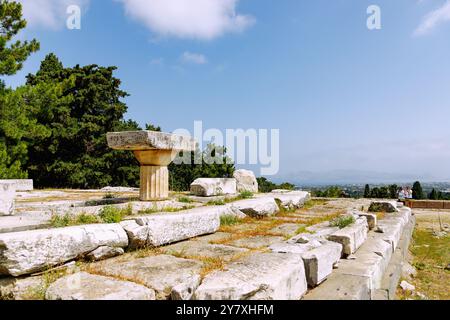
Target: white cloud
198	19
195	58
48	13
433	19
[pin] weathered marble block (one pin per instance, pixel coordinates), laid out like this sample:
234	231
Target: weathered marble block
246	181
351	237
20	184
31	251
160	229
208	187
85	286
7	194
261	276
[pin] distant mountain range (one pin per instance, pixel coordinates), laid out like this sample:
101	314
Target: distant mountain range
341	177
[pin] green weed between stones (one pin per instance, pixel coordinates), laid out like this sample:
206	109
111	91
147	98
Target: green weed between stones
342	221
229	220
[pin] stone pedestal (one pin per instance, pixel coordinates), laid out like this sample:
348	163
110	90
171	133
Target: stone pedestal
154	183
154	151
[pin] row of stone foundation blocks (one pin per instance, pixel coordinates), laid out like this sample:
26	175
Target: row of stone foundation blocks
284	273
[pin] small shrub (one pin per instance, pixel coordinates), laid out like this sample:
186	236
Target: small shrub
218	202
111	214
302	229
246	194
229	220
342	221
85	218
109	195
185	200
58	221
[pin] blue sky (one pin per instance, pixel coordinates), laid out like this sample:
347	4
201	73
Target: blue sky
345	98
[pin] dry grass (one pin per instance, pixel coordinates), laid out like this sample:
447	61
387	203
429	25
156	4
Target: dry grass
431	256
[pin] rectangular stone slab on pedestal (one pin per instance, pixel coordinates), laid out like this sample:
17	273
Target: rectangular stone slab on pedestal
147	140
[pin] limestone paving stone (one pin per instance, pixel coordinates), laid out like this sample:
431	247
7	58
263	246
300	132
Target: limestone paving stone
85	286
261	276
256	242
286	229
211	238
169	276
200	249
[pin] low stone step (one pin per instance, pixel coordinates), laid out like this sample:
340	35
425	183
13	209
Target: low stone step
30	251
23	222
85	286
319	255
261	276
370	261
341	287
373	271
351	237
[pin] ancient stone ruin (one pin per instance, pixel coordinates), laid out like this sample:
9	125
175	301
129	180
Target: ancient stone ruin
223	240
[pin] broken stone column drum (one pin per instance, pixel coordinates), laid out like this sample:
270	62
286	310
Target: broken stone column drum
154	151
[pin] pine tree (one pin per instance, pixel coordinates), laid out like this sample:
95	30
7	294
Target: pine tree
14	122
13	55
417	191
367	191
434	195
393	191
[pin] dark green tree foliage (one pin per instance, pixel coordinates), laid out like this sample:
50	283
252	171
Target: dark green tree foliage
417	191
18	128
265	185
435	195
367	191
330	192
201	166
12	55
84	104
393	191
15	124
